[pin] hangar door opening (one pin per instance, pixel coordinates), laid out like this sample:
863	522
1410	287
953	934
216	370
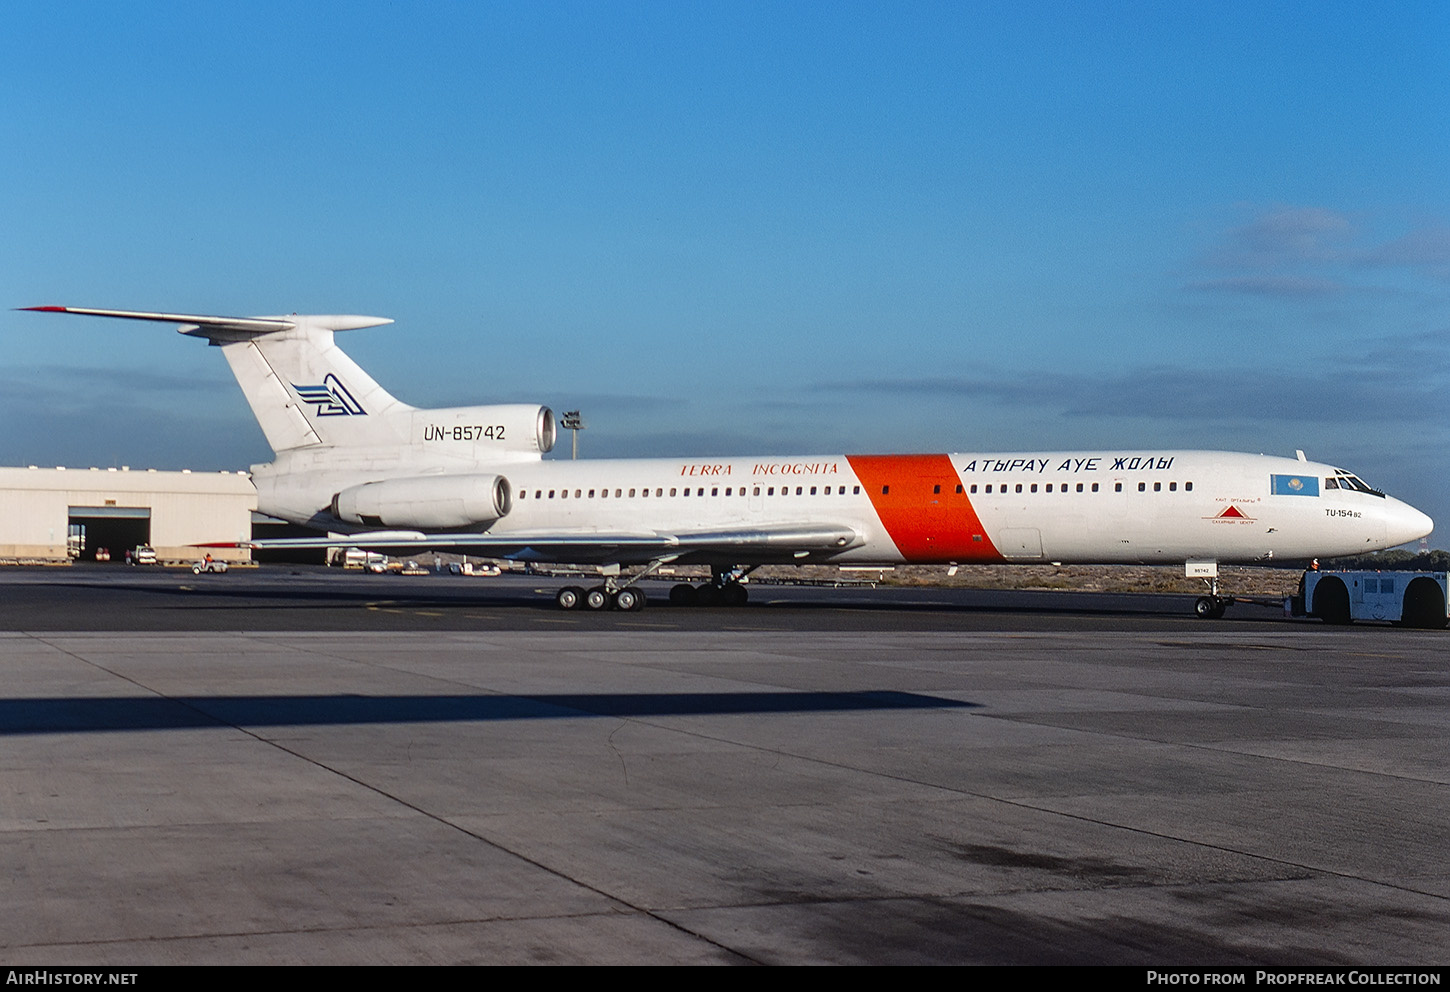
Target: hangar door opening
116	529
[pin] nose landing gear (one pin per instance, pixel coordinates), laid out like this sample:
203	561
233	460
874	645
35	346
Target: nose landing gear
1212	606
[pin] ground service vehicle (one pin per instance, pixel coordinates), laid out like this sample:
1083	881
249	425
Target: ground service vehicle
374	562
1415	599
471	568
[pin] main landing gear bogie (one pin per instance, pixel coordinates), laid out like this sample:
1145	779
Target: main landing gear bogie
709	594
600	598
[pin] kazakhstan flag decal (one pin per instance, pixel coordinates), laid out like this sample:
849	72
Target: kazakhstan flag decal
1294	485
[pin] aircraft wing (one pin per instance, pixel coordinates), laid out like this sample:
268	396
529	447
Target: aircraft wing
736	546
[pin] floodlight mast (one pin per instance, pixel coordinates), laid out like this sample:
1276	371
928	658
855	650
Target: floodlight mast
572	421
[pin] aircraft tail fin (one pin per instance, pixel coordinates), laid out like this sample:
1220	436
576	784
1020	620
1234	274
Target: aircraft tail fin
303	390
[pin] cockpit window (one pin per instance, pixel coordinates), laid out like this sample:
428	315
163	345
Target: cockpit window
1344	480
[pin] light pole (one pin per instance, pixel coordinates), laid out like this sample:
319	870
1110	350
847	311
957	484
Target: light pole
573	422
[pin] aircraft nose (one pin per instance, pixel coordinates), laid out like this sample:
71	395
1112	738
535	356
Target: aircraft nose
1404	523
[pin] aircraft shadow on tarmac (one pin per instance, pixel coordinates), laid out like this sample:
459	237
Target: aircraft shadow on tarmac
764	596
80	715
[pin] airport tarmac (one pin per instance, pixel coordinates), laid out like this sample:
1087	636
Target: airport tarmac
308	598
293	766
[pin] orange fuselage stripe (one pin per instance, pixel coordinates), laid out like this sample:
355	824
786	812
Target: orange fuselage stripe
917	499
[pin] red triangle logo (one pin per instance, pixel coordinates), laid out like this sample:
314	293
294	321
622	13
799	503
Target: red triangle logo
1232	511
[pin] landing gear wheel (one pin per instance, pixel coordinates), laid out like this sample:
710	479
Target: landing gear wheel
1209	608
596	599
629	600
569	598
710	595
734	594
683	594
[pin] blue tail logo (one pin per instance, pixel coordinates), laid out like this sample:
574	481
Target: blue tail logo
331	399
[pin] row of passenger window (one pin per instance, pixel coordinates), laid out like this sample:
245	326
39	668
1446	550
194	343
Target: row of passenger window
675	491
1084	487
659	492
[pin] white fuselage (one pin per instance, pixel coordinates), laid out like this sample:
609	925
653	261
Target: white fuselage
1100	507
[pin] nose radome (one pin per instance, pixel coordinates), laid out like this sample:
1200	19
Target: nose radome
1406	524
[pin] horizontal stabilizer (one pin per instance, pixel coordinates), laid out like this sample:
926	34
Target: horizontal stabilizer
202	325
241	325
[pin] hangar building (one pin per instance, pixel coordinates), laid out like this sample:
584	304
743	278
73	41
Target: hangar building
59	513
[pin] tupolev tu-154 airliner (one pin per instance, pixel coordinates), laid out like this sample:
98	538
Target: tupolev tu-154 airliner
369	471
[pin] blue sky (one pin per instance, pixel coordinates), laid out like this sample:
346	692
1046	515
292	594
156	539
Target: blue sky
746	227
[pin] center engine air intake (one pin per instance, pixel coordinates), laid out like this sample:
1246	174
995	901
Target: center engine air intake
484	432
434	502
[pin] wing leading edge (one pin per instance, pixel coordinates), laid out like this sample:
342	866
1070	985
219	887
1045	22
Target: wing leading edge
772	542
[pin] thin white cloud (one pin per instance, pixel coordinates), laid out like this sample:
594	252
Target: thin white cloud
1374	385
1312	252
1286	236
1426	249
1277	286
